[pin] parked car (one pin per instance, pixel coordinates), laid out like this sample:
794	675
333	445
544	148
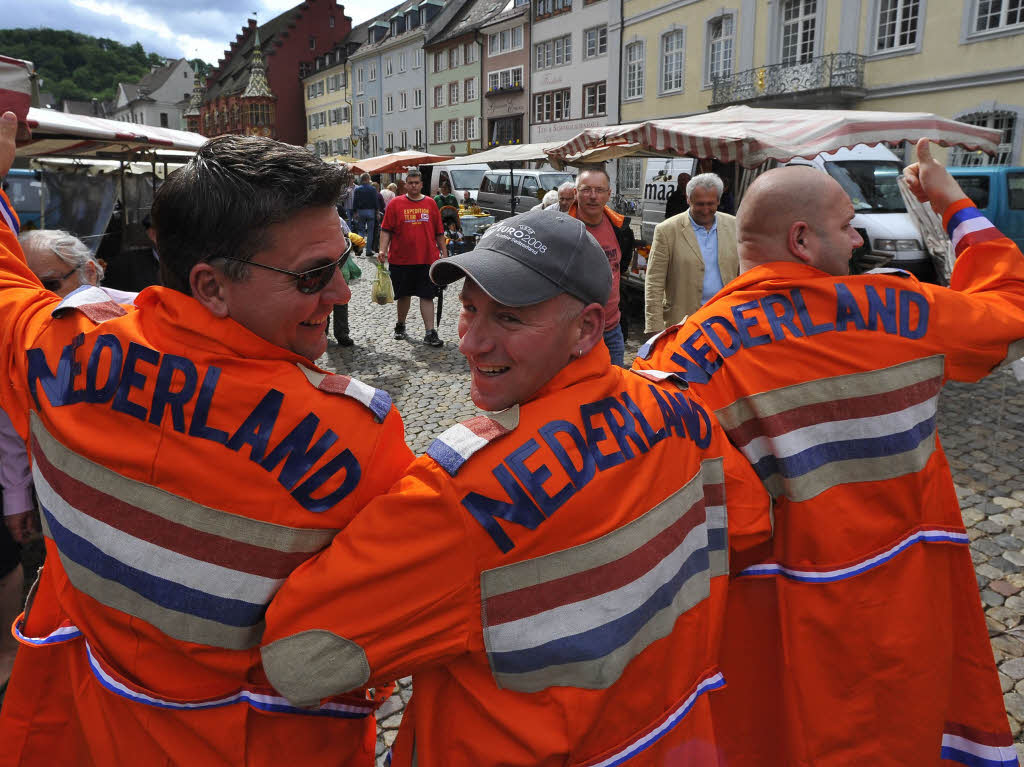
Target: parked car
497	188
998	191
463	178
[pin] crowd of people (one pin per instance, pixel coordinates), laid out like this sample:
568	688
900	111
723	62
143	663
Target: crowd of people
743	550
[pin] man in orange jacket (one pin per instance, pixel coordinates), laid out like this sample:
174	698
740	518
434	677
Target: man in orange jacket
188	455
861	640
557	588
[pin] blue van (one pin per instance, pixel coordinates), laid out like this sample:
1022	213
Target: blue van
998	191
25	191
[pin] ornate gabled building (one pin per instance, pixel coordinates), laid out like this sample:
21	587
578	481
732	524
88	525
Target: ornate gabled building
256	88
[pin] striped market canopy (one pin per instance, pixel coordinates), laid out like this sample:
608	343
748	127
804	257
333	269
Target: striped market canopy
750	136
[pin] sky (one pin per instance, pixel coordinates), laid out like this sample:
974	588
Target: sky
171	28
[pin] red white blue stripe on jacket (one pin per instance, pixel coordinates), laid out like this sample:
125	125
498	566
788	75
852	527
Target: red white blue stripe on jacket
968	227
8	216
976	748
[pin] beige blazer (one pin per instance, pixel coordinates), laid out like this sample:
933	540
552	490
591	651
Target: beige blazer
675	269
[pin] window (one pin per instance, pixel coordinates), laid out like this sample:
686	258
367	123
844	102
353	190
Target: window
453	130
470	127
345	114
417	58
374	149
595	42
551	106
438	96
453	93
505	78
419	137
163	119
594	99
389	142
545	8
507	130
719	51
373	107
504	41
360	76
672	52
389	104
330	21
403	61
438	131
403	101
897	24
417	98
404	136
469	89
553	53
469	53
372	77
630	174
995	14
388	66
440	61
635	70
311	91
1003	120
454	56
413	18
312	43
361	112
798	30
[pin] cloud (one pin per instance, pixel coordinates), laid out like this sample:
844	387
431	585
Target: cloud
171	28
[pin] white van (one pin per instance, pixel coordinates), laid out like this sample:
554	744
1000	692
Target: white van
868	175
463	178
661	178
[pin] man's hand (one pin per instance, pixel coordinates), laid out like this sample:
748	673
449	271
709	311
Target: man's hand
382	256
930	182
23	527
8	133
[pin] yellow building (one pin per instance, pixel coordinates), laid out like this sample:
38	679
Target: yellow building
958	59
329	106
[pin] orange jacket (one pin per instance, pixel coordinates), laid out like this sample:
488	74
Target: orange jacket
184	468
552	576
862	640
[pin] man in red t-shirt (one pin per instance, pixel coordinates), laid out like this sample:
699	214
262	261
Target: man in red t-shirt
411	236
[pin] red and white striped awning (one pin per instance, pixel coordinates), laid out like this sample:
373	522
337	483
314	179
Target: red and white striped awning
750	135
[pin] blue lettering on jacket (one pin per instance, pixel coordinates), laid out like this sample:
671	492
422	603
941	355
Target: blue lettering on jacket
903	312
119	377
579	456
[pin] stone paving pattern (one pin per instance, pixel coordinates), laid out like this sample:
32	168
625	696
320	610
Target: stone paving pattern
981	427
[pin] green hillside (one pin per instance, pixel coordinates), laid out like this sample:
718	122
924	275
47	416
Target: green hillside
76	66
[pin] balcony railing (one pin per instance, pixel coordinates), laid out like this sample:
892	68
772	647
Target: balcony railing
504	90
833	78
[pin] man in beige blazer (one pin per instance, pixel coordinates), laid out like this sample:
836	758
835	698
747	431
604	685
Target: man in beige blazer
677	283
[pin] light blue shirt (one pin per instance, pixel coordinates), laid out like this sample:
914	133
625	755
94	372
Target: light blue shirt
708	242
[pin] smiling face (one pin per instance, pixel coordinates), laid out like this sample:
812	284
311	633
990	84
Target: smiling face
513	351
270	305
592	194
703	206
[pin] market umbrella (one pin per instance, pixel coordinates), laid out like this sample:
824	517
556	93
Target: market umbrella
396	161
750	135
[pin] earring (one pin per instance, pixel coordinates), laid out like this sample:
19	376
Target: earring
580	352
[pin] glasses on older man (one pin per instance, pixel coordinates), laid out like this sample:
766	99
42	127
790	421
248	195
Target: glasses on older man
53	283
310	281
595	190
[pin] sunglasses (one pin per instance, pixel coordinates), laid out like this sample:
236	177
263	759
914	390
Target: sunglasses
53	283
308	282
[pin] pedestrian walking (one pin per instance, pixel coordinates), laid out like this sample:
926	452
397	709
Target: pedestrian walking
411	239
367	203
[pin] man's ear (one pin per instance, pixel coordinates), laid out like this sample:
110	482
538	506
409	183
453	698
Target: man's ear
591	327
798	241
207	285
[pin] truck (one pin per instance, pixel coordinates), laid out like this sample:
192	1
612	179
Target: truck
998	191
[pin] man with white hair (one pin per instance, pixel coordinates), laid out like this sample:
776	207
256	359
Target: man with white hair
693	255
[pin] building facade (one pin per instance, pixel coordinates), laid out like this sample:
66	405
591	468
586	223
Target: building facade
287	44
329	106
505	67
569	68
160	98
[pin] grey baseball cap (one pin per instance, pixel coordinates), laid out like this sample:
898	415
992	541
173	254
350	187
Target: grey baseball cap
532	257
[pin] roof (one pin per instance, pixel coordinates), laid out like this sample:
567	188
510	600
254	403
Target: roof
511	13
473	14
384	19
232	76
150	82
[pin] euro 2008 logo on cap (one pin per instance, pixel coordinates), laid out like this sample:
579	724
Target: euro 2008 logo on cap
519	234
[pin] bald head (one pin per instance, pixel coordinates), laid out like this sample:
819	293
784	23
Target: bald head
797	214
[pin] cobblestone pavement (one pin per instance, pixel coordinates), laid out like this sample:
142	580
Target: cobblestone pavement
981	428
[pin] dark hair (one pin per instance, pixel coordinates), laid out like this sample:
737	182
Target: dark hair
227	196
413	173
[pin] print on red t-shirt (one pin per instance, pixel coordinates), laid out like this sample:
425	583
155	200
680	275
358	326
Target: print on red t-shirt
413	226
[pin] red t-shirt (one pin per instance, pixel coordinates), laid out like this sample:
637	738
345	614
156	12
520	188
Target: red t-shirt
604	233
413	226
